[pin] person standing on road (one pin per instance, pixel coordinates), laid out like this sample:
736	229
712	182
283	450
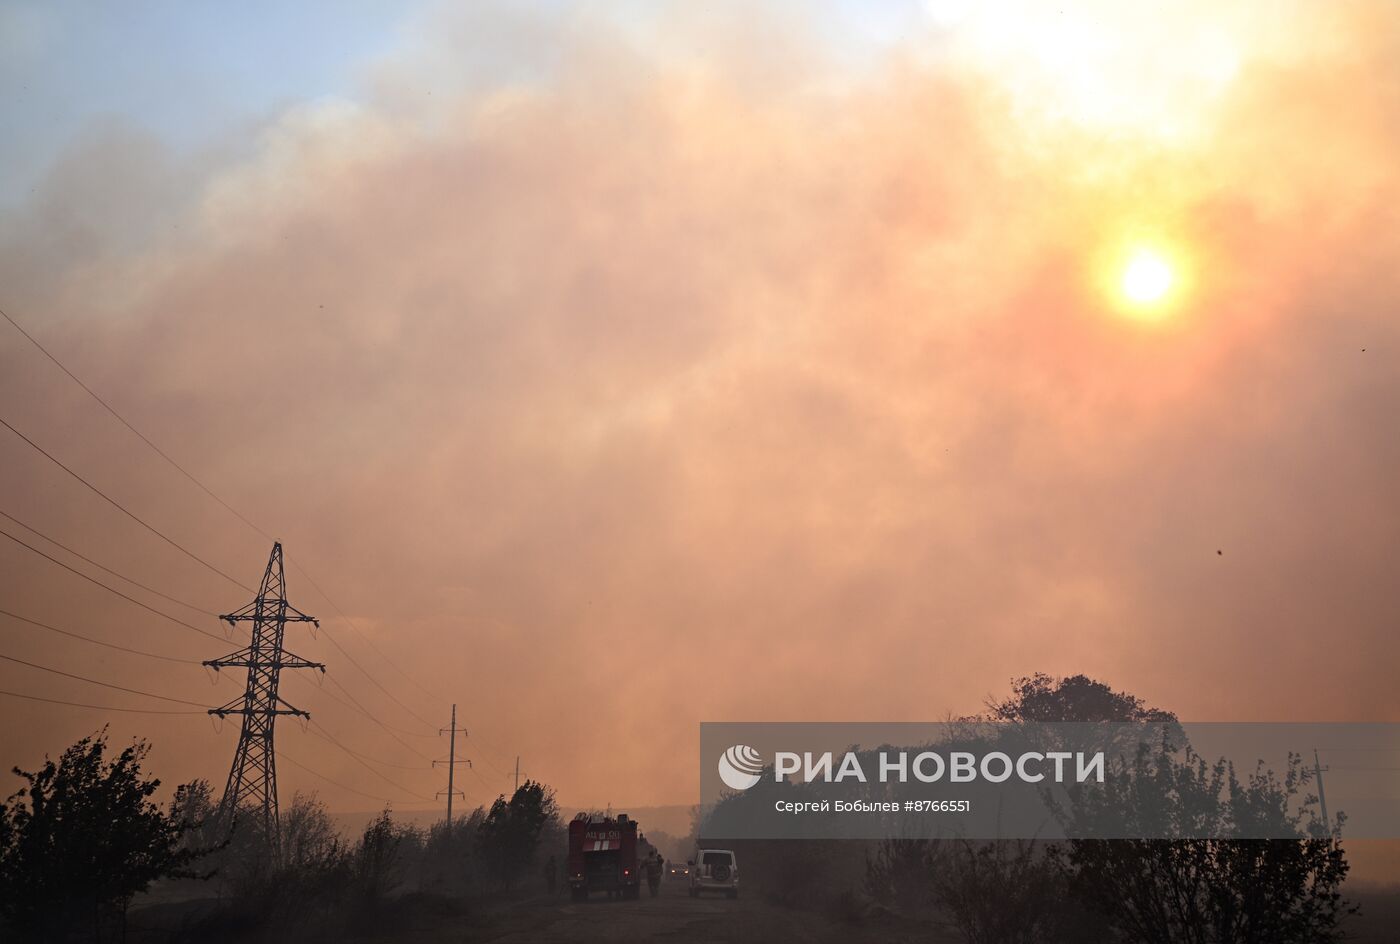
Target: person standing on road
551	877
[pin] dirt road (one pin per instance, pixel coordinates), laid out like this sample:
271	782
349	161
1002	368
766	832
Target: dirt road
671	916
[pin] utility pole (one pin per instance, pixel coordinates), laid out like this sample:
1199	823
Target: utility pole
517	771
452	763
1321	794
252	780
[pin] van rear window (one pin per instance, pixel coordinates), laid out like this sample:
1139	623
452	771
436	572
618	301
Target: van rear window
717	858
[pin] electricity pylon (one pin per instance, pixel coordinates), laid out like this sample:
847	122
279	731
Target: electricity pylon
451	764
252	781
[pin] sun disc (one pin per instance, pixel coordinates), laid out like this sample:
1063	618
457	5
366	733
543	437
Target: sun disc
1147	278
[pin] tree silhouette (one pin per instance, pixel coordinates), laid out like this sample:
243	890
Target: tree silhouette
1211	891
374	865
1192	889
510	833
82	838
1076	698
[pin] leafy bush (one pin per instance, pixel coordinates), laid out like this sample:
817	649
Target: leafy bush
82	838
1222	891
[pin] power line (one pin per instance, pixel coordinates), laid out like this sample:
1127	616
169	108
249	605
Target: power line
210	492
83	678
140	435
229	508
119	576
391	728
282	755
375	760
352	703
77	704
109	589
124	596
369	642
325	735
199	484
494	750
341	649
98	642
141	652
487	784
122	508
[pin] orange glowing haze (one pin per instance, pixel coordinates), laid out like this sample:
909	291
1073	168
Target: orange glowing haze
722	366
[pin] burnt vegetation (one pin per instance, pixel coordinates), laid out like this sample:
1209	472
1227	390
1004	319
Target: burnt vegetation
1180	891
87	853
325	886
85	838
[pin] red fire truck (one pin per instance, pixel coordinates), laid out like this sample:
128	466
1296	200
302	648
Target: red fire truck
603	856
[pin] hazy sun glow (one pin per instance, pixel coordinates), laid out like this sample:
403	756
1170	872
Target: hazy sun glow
1145	280
1147	277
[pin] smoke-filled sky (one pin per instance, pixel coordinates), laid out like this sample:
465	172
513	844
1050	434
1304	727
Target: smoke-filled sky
616	367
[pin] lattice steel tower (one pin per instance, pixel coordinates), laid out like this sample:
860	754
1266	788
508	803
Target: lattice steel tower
252	781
